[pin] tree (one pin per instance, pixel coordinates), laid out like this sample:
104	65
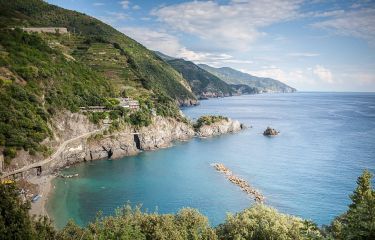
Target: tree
363	190
15	222
14	219
359	221
261	222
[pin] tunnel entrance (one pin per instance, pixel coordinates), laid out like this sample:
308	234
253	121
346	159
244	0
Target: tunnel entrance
137	141
39	170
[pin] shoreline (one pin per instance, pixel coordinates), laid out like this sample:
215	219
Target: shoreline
44	183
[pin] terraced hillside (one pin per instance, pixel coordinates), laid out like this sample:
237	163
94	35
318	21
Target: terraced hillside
45	73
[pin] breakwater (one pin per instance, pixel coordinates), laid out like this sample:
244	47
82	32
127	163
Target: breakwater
243	184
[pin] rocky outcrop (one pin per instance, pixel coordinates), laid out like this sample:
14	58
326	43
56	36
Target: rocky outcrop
270	132
129	141
162	132
96	144
188	102
65	125
223	126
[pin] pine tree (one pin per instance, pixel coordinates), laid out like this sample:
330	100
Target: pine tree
363	189
359	221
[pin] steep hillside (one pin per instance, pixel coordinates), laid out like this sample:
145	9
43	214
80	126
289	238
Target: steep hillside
202	82
42	74
136	66
232	76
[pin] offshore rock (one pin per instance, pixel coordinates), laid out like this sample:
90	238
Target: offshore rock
270	132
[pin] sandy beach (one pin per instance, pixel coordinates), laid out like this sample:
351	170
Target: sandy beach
44	184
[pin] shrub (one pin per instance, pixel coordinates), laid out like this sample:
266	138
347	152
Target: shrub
208	120
262	222
140	118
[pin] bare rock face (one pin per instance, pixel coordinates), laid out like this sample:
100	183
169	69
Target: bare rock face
270	132
162	132
78	140
129	141
65	125
223	126
188	102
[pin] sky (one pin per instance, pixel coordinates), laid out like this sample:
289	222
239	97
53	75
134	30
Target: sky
316	45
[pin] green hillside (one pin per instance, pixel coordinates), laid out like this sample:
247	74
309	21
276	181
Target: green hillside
42	73
232	76
200	80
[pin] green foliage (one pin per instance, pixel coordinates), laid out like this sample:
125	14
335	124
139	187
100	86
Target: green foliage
127	57
140	118
97	117
208	120
46	82
15	222
261	222
200	80
166	107
258	222
51	72
134	224
359	221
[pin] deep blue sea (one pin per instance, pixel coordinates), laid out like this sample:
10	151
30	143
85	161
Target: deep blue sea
326	141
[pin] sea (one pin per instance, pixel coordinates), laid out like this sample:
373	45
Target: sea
309	170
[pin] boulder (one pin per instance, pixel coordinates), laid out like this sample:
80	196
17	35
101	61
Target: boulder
270	132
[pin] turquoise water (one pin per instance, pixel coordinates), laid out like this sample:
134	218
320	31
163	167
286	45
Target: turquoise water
326	140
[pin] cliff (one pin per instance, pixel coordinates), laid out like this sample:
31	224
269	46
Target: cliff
76	140
220	127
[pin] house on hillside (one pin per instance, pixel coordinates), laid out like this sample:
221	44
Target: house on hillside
129	103
61	30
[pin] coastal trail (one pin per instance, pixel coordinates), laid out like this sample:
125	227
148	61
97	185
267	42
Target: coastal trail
53	156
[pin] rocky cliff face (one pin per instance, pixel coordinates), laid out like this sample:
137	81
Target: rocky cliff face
218	128
129	141
82	141
65	125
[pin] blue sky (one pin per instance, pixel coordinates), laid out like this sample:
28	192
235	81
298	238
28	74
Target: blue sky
316	45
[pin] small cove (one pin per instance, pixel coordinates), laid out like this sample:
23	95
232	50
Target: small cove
326	140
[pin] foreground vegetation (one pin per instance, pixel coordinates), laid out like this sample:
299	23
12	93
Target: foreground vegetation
255	223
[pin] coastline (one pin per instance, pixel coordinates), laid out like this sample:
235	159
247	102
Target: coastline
120	146
44	183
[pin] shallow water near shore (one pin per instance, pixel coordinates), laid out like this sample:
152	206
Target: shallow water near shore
309	170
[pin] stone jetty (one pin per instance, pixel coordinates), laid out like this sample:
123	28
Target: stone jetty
243	184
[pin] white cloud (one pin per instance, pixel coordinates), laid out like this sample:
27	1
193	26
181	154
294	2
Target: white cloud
170	45
323	73
98	4
118	15
232	26
297	78
303	54
125	4
155	40
136	7
358	23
